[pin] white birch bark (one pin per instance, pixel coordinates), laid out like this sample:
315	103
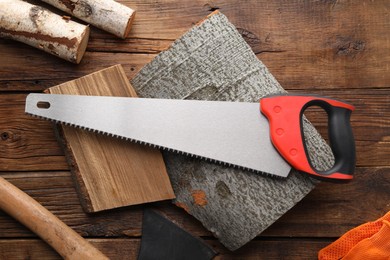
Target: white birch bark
43	29
107	15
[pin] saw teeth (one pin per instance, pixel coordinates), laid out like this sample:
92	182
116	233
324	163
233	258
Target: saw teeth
154	146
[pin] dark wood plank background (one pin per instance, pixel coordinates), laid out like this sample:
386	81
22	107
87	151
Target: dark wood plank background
337	48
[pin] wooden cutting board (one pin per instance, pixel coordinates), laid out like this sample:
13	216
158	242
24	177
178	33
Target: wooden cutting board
109	172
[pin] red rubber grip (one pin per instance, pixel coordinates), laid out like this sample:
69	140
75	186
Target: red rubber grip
284	113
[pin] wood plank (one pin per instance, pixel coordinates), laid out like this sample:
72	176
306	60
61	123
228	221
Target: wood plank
336	57
307	77
26	143
37	249
59	71
109	172
56	192
302	77
117	249
328	211
345	44
350	52
319	214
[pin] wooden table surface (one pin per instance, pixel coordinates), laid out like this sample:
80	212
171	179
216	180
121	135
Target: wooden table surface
337	48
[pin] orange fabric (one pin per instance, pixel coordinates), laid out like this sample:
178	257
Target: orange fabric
340	248
376	247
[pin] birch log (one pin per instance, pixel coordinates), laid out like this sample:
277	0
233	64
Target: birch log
43	29
107	15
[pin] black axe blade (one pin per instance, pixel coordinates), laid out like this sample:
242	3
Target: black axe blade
162	239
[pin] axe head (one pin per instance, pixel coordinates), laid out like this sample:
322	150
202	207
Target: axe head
162	239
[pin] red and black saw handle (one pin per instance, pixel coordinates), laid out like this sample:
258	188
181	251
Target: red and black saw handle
284	113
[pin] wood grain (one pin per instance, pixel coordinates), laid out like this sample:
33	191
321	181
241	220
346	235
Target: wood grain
68	243
321	44
109	172
334	48
330	202
128	248
35	249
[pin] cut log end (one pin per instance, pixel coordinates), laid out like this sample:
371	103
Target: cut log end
83	45
128	26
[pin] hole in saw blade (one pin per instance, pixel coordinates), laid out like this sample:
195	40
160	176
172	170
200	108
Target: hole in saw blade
43	105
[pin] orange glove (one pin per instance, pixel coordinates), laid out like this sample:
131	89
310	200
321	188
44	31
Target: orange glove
341	247
376	247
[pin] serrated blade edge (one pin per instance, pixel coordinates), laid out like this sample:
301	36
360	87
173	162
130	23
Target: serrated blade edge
233	133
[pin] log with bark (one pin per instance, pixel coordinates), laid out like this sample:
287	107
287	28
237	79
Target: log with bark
107	15
43	29
213	62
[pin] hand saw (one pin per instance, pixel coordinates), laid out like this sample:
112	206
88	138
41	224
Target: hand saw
232	133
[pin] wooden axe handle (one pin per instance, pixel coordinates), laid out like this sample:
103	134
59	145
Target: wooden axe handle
68	243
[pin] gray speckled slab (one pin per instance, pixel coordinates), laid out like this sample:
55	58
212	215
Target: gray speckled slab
213	62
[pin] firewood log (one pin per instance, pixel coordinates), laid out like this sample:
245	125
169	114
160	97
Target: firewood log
43	29
107	15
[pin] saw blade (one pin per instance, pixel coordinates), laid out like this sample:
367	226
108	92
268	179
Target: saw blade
234	133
